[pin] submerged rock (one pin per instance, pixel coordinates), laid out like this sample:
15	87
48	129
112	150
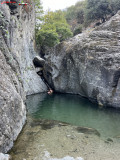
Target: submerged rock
109	140
47	124
87	130
88	64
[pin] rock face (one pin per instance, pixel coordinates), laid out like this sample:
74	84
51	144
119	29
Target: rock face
17	72
88	64
18	25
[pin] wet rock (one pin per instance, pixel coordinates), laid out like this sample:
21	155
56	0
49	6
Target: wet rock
88	64
109	140
47	124
86	130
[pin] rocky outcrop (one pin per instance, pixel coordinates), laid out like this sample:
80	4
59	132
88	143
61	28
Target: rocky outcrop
17	73
88	64
38	62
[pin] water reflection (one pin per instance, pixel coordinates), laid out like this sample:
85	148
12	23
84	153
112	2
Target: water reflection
74	110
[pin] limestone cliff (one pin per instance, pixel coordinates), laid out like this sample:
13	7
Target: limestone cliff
17	73
88	64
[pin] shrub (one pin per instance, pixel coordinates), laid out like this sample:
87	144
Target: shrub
78	30
53	30
47	38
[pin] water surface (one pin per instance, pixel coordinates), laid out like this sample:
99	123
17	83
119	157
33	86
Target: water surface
74	110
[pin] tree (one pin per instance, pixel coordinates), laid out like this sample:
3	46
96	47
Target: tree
39	12
97	10
75	14
77	30
38	6
87	11
76	11
114	5
47	37
53	30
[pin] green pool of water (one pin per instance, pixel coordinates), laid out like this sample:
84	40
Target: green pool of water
74	110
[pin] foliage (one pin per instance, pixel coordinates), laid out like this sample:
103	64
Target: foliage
75	14
47	37
114	5
53	30
39	11
54	27
38	6
76	10
87	11
63	31
78	30
96	10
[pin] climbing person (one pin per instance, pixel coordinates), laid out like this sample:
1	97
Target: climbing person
40	73
39	63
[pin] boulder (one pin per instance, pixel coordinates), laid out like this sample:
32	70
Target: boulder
87	130
88	64
38	61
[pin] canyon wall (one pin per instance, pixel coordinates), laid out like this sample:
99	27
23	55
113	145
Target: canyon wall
88	64
17	73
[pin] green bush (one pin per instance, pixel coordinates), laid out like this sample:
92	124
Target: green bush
47	38
53	30
97	10
114	5
63	31
78	30
87	11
